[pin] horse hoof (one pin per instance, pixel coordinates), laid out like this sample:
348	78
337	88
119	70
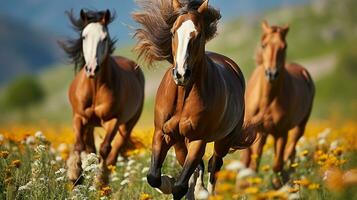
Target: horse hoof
74	167
154	181
178	191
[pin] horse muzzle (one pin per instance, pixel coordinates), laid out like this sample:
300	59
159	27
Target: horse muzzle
91	71
271	75
180	79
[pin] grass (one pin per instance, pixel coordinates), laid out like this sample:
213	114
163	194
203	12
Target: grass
32	166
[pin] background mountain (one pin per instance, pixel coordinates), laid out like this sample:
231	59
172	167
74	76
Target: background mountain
29	29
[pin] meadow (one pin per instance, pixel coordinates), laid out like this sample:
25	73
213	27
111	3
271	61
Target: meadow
35	143
33	167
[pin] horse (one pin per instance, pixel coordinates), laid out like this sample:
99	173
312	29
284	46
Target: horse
107	91
200	98
279	95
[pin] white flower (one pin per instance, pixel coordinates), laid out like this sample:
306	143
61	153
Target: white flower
324	133
144	178
92	188
39	135
26	186
60	179
89	161
30	140
60	171
334	144
235	165
59	158
126	174
2	137
294	196
131	162
202	195
115	179
246	172
124	182
144	170
120	158
40	148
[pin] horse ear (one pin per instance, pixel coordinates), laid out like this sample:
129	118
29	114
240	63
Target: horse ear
176	4
265	27
106	17
285	29
83	15
203	7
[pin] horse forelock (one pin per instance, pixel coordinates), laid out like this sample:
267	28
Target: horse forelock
73	47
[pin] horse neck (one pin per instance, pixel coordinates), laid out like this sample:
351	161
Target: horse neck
271	90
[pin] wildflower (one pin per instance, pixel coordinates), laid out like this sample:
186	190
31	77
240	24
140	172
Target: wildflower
40	149
131	162
4	154
92	188
105	191
58	158
30	140
115	179
216	197
235	165
294	165
302	182
304	153
226	175
294	196
266	168
251	190
16	163
2	138
61	178
25	187
224	188
254	180
60	171
126	174
124	182
313	186
145	196
111	168
144	170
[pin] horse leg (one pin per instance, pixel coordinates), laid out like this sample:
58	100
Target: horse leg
246	155
295	135
89	138
278	166
257	150
122	139
160	147
111	127
74	161
221	149
196	150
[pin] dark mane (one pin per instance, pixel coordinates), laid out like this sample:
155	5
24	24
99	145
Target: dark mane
157	18
73	47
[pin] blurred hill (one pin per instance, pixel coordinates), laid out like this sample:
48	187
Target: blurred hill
321	37
24	49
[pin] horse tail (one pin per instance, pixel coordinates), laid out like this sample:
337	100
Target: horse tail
248	135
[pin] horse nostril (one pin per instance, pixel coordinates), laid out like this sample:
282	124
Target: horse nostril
187	73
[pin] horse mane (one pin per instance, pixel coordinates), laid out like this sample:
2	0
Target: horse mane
157	18
73	47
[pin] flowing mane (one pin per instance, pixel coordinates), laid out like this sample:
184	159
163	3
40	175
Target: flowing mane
157	18
73	47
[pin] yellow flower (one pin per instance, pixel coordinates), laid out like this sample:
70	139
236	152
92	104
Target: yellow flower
313	186
266	168
304	153
4	154
224	188
16	163
251	190
302	182
111	168
216	197
294	165
226	175
254	180
293	190
145	196
105	191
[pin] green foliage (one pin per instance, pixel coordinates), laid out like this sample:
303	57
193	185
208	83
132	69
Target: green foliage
23	92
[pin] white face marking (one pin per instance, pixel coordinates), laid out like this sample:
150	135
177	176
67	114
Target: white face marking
94	46
184	36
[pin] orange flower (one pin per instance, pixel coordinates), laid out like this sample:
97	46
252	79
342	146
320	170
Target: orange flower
105	191
145	196
16	163
4	154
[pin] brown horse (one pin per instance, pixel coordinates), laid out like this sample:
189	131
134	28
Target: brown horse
107	91
280	95
201	96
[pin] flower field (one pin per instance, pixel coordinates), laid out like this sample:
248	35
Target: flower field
32	166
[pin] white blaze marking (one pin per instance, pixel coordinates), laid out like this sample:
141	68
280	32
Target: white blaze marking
184	36
93	47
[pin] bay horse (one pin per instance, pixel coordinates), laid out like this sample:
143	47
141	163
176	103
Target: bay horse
280	95
107	91
200	98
